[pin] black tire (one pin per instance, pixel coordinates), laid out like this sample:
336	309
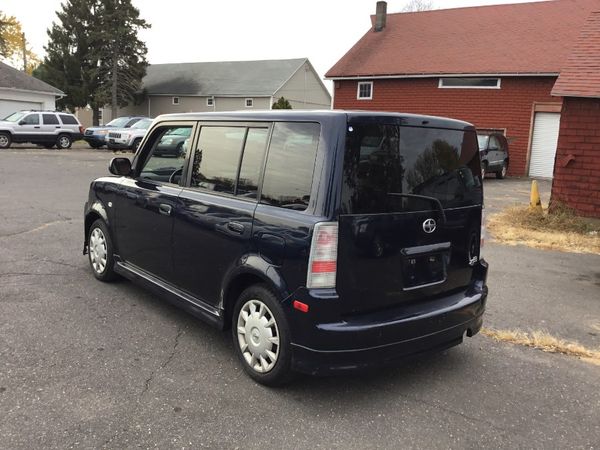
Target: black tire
63	141
5	140
96	248
281	372
501	174
94	146
136	144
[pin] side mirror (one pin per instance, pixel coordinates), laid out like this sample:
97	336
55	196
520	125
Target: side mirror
120	166
21	122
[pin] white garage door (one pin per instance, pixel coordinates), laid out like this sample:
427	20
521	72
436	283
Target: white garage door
7	107
543	144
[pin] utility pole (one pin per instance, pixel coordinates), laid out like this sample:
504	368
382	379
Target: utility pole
24	52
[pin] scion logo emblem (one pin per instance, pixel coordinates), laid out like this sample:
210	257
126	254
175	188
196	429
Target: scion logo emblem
429	226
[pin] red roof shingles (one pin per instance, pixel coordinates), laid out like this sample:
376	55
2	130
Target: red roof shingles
581	75
524	38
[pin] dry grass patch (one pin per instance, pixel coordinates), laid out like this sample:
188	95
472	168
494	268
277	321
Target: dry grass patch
544	341
559	230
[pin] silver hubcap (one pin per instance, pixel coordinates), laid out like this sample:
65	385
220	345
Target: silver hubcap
3	141
97	250
504	170
258	336
63	142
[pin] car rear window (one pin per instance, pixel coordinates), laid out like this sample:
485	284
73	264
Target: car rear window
390	168
68	120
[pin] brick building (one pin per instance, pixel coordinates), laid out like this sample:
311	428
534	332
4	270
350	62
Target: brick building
577	172
493	66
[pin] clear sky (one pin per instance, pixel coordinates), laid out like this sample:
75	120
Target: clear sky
232	30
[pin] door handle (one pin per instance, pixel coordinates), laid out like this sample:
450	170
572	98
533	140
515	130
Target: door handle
235	227
36	126
165	209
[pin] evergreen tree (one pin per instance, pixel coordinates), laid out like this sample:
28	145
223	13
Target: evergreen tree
282	103
94	55
123	56
70	63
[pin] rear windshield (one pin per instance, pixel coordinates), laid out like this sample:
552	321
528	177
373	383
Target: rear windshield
390	168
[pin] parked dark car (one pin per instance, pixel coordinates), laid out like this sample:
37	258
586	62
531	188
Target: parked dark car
493	149
96	136
326	241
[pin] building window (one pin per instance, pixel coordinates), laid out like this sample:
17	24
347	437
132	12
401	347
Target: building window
249	102
469	83
176	100
210	101
365	90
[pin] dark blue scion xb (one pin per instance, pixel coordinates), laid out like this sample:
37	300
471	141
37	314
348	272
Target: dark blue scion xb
325	241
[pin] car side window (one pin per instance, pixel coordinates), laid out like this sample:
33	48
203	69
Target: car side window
68	120
49	119
252	161
167	156
290	165
31	119
217	157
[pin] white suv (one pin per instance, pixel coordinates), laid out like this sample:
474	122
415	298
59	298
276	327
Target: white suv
128	138
45	128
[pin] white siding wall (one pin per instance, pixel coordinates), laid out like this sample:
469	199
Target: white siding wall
11	99
305	91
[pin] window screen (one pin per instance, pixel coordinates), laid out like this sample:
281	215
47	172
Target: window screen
290	165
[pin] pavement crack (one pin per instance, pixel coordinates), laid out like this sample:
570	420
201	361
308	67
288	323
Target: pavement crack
164	364
38	228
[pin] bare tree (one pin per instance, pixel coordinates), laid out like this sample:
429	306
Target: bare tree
418	5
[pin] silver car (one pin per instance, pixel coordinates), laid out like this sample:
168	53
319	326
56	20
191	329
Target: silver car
45	128
128	138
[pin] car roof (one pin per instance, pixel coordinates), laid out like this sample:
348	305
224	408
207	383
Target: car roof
405	119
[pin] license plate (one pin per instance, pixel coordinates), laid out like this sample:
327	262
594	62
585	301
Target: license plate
423	270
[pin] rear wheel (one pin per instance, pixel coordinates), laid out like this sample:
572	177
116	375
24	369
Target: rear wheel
261	336
63	141
5	140
502	172
100	252
94	145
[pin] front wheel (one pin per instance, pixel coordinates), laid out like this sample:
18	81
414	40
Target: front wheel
261	336
136	144
63	142
5	140
100	252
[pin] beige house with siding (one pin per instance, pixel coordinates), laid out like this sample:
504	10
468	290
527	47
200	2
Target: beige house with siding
228	86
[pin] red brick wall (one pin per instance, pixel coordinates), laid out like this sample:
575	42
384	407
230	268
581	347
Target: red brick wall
577	169
507	108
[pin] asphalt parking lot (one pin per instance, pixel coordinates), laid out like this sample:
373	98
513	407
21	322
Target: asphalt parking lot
85	364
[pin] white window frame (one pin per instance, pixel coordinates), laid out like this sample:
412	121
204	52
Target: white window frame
498	83
251	105
361	83
175	100
210	101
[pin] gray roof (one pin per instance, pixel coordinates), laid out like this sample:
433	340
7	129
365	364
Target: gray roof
12	78
244	78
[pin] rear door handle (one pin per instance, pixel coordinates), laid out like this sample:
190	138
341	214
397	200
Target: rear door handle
236	227
37	126
165	209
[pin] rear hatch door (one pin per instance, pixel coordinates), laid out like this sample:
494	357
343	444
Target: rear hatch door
410	214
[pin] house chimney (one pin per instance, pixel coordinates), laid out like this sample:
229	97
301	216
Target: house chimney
380	16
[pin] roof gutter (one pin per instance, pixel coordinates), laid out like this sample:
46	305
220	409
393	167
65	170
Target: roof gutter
56	94
445	75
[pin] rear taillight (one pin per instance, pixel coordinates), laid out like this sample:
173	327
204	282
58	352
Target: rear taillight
322	263
80	129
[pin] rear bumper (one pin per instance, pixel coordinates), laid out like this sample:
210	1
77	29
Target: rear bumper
385	337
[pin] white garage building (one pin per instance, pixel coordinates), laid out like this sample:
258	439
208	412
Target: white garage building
20	91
